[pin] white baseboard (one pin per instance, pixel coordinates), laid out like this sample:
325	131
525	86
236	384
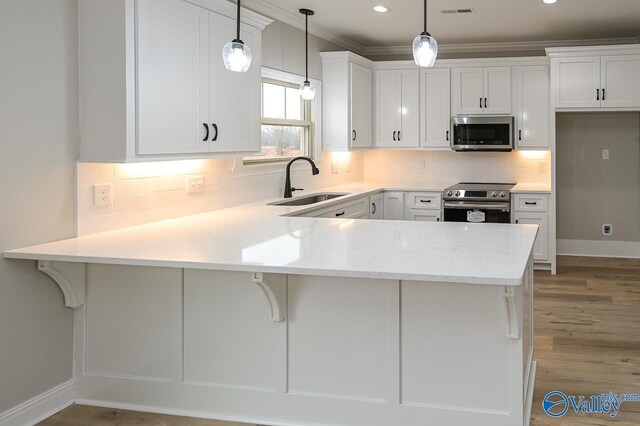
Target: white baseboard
40	407
624	249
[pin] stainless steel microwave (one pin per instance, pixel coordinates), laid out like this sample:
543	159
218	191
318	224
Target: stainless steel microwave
494	133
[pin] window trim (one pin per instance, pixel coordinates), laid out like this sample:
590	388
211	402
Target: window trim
315	123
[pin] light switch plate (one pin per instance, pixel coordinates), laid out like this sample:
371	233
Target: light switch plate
605	154
102	195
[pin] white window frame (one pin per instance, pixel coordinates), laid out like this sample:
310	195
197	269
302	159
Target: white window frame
315	139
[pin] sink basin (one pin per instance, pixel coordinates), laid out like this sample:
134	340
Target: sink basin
309	199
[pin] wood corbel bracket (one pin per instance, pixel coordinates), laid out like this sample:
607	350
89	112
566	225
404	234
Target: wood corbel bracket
70	277
513	327
274	287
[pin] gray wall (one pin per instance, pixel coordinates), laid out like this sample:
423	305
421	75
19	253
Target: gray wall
38	146
593	191
283	50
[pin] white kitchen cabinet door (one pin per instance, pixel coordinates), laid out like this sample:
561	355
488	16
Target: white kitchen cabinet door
409	130
394	206
541	247
577	80
620	76
497	90
173	84
361	106
376	207
435	117
235	96
531	87
388	98
467	91
423	215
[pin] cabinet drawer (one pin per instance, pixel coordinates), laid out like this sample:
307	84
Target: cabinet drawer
423	215
531	202
354	209
423	200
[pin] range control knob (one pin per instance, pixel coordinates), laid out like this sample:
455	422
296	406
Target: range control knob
494	194
449	194
457	193
503	194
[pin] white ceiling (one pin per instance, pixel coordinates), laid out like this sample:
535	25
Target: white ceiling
494	21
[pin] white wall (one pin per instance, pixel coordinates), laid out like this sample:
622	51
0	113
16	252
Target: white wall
38	144
450	166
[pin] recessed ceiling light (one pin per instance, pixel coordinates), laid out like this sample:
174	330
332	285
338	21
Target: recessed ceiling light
381	9
550	1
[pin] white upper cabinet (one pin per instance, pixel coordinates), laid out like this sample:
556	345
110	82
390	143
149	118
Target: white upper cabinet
153	85
467	91
347	102
236	96
595	77
531	99
397	108
361	106
497	90
476	91
435	101
620	76
173	77
577	81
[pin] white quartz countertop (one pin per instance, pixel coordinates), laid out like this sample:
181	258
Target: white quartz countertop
531	188
261	238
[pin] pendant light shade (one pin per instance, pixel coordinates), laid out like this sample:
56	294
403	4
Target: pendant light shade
235	54
425	47
307	91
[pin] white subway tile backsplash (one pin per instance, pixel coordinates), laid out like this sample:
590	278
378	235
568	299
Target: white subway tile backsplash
148	192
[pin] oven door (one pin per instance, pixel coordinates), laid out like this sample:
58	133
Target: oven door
465	211
482	133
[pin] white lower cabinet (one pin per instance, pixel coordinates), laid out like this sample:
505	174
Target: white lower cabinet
376	206
394	205
532	209
423	215
354	209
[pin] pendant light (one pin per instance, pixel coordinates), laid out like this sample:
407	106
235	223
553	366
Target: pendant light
307	91
235	54
425	47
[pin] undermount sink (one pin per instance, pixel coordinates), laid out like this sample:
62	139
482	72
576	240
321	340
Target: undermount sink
309	199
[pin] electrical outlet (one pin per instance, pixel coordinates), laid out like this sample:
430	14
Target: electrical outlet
348	166
605	154
102	195
334	168
423	165
195	184
607	230
542	166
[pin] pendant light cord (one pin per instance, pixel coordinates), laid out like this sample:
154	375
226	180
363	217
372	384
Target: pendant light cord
425	15
238	22
306	48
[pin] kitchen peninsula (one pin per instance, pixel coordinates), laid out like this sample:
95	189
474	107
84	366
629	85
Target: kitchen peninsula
256	314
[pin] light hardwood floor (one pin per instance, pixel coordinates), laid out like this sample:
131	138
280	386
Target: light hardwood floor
587	343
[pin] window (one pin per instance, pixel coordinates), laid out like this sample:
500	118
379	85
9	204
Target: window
287	122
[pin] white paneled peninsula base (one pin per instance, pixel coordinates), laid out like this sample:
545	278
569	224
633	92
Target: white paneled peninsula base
303	321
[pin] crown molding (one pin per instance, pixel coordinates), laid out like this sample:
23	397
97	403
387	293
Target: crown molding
296	20
500	47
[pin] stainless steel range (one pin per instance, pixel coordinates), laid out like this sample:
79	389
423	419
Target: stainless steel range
478	202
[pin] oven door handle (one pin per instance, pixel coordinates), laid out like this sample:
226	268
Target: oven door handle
505	207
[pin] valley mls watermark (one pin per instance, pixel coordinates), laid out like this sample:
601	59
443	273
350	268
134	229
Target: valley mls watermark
557	404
